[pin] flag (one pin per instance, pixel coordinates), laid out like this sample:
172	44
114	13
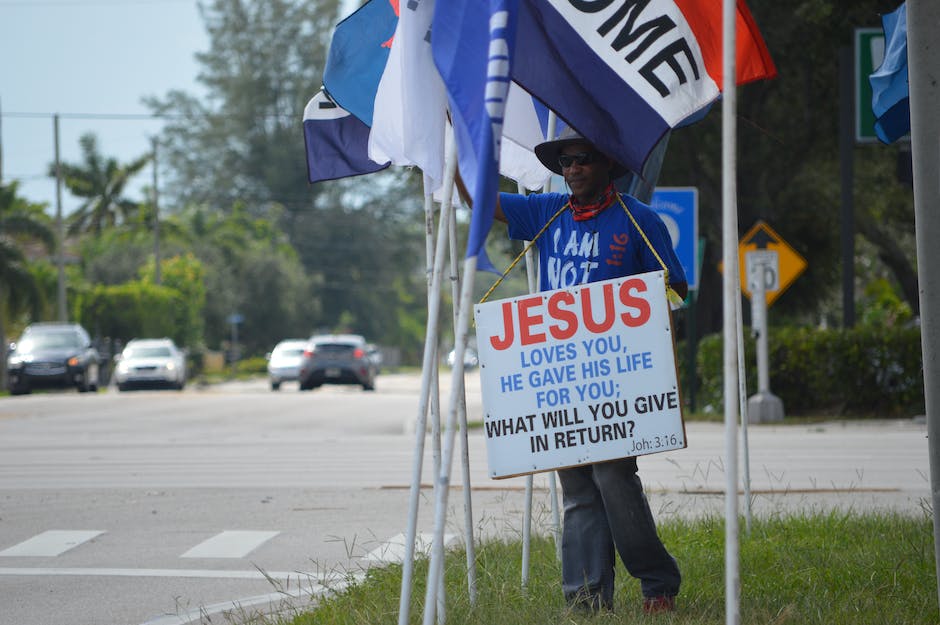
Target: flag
410	102
358	52
336	142
624	74
472	48
890	98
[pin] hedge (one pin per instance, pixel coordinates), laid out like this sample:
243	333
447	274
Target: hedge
864	372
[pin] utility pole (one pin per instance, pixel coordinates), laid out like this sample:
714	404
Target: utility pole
156	219
60	233
1	143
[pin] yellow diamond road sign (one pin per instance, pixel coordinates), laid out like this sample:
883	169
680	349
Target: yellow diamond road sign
762	253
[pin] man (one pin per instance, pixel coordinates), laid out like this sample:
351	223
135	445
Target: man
597	234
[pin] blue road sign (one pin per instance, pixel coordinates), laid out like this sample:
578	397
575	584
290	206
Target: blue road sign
678	208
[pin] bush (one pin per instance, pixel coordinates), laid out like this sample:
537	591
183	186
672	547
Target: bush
866	371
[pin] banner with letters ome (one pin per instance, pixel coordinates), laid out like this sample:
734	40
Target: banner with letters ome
578	375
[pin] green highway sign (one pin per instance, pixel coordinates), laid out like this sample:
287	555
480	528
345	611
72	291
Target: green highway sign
869	52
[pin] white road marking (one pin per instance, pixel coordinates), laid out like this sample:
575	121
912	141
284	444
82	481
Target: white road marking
392	551
195	573
51	543
230	544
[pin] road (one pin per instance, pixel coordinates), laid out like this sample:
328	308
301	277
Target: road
155	507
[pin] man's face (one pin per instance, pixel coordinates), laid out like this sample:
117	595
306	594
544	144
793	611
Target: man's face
586	170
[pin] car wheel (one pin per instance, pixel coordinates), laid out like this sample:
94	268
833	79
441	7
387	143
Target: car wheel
19	390
275	386
369	386
122	387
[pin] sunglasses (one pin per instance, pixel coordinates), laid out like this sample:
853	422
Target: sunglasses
581	158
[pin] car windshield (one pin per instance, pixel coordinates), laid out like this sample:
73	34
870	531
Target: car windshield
50	340
289	351
147	352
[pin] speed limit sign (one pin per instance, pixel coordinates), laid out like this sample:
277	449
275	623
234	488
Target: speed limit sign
762	265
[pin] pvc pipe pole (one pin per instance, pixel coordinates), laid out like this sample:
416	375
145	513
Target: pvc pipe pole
435	396
429	361
443	482
435	390
923	54
552	487
469	541
742	406
730	256
530	272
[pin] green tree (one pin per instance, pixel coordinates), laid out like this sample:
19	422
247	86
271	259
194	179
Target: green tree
788	164
244	142
100	183
21	224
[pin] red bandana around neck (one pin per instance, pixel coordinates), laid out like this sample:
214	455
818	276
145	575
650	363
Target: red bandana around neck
583	212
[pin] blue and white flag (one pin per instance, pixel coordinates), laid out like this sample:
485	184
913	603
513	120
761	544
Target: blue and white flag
410	117
472	50
336	142
358	53
890	98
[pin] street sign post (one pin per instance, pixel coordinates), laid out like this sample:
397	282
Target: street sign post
869	53
678	208
771	258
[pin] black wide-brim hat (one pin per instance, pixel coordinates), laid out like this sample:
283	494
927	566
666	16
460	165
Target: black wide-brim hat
549	151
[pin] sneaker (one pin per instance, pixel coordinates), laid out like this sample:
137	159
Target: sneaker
657	605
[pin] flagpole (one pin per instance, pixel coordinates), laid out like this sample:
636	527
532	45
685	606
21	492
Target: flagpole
429	361
530	269
469	541
730	318
552	487
923	16
435	388
443	480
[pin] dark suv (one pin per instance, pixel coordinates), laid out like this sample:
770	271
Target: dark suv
53	354
339	359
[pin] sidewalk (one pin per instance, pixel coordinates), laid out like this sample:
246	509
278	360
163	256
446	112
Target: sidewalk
862	465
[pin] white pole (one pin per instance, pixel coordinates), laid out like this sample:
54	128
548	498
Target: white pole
469	541
530	271
552	487
435	390
731	320
435	396
430	341
443	482
923	23
742	407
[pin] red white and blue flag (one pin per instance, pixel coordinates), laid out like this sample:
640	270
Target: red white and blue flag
621	72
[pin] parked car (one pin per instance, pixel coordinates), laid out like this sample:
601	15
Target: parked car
53	354
339	359
154	363
284	362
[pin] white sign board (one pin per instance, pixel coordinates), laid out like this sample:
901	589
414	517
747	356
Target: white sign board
762	265
579	375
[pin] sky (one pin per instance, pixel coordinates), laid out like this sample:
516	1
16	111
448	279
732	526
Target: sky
88	60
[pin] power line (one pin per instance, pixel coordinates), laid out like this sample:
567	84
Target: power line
127	116
83	3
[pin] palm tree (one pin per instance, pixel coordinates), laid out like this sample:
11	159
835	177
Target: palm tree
100	183
20	223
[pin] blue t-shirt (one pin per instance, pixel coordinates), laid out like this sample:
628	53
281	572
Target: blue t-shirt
603	247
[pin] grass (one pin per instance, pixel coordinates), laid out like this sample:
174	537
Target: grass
822	568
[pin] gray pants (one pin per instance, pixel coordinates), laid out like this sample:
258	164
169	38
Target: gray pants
605	508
